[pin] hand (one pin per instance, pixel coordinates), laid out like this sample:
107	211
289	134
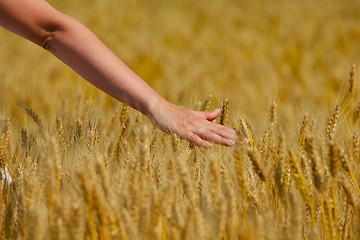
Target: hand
193	126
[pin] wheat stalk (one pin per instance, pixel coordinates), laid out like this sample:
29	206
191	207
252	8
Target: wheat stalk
332	122
61	134
257	166
273	114
34	117
317	169
300	181
352	79
224	112
207	103
245	131
303	131
335	162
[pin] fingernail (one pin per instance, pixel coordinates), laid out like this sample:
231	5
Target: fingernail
231	142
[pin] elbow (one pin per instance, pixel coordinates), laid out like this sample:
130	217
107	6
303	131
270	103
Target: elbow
47	41
54	33
50	32
57	31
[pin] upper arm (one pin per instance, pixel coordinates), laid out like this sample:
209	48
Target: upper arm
31	19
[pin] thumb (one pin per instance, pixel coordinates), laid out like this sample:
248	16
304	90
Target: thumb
212	115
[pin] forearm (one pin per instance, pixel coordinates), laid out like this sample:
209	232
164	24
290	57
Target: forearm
80	49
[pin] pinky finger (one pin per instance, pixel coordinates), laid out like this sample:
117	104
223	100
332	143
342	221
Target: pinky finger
195	139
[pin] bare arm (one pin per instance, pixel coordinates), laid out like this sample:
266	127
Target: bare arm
79	48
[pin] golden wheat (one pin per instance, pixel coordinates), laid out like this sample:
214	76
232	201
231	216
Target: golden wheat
87	167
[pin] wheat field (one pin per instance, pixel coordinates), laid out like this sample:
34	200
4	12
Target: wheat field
284	73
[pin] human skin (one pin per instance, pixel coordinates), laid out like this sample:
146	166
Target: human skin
75	45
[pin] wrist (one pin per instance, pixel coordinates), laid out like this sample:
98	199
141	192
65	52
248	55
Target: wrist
158	111
153	106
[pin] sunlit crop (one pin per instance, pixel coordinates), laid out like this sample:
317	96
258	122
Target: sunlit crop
284	73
